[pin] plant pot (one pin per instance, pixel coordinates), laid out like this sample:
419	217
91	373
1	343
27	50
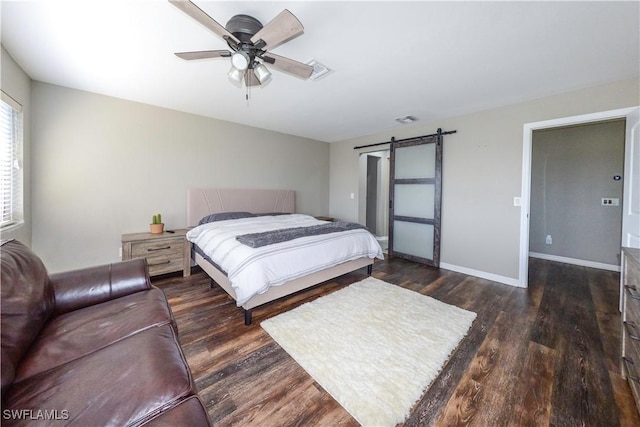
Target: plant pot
156	228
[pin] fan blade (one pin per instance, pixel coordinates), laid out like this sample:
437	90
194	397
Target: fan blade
203	54
288	65
199	15
250	79
280	29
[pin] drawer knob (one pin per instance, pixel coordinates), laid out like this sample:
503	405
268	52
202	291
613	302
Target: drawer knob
633	292
159	263
628	364
632	330
158	249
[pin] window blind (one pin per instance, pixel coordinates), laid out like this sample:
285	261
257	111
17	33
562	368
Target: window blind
11	187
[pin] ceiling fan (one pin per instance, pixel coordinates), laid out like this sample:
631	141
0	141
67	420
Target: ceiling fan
249	42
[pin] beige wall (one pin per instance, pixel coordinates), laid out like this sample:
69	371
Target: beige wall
97	167
17	84
482	169
102	166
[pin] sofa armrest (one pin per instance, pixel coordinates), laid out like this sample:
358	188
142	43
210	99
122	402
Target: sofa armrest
88	286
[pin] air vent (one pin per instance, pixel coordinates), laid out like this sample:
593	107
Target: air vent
406	120
319	70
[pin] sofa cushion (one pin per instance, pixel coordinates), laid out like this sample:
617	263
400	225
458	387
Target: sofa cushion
75	334
27	302
189	412
122	384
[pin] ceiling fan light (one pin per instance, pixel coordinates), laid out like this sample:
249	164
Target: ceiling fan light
262	73
236	75
240	60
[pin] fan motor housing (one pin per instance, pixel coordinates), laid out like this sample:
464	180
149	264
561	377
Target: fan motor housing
243	27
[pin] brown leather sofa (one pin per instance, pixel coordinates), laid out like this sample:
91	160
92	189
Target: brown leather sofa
90	347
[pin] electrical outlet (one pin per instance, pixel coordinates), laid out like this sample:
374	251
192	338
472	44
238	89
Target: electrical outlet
610	202
120	252
548	240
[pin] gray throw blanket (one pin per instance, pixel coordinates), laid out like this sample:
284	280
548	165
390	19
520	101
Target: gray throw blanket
257	240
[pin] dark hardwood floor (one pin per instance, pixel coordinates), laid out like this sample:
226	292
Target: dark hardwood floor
546	355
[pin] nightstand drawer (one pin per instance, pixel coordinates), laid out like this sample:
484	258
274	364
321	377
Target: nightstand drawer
632	340
161	264
631	372
164	248
632	303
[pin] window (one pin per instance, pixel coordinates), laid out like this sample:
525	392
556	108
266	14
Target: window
11	209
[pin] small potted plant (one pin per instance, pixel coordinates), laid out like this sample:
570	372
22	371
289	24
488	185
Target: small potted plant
157	227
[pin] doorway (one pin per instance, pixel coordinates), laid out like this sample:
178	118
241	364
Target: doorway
576	193
631	117
373	209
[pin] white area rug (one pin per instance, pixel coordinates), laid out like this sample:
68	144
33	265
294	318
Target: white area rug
375	347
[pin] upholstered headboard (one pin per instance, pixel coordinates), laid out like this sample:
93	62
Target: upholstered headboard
206	201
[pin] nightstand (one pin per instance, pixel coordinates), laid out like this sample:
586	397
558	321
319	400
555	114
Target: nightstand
630	293
165	253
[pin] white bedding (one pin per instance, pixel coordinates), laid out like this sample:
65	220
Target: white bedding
252	271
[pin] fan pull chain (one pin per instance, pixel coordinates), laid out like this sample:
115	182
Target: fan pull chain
247	94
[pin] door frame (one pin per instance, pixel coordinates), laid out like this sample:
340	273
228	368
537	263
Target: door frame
525	195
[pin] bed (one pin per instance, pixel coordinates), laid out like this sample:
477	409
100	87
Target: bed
274	207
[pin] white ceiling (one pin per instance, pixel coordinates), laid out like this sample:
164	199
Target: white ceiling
389	59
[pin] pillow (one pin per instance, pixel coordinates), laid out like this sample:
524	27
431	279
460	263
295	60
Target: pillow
223	216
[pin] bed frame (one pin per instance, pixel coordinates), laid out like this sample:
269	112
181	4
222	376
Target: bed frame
202	202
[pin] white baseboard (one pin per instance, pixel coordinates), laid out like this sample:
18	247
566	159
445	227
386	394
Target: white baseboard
580	262
481	274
